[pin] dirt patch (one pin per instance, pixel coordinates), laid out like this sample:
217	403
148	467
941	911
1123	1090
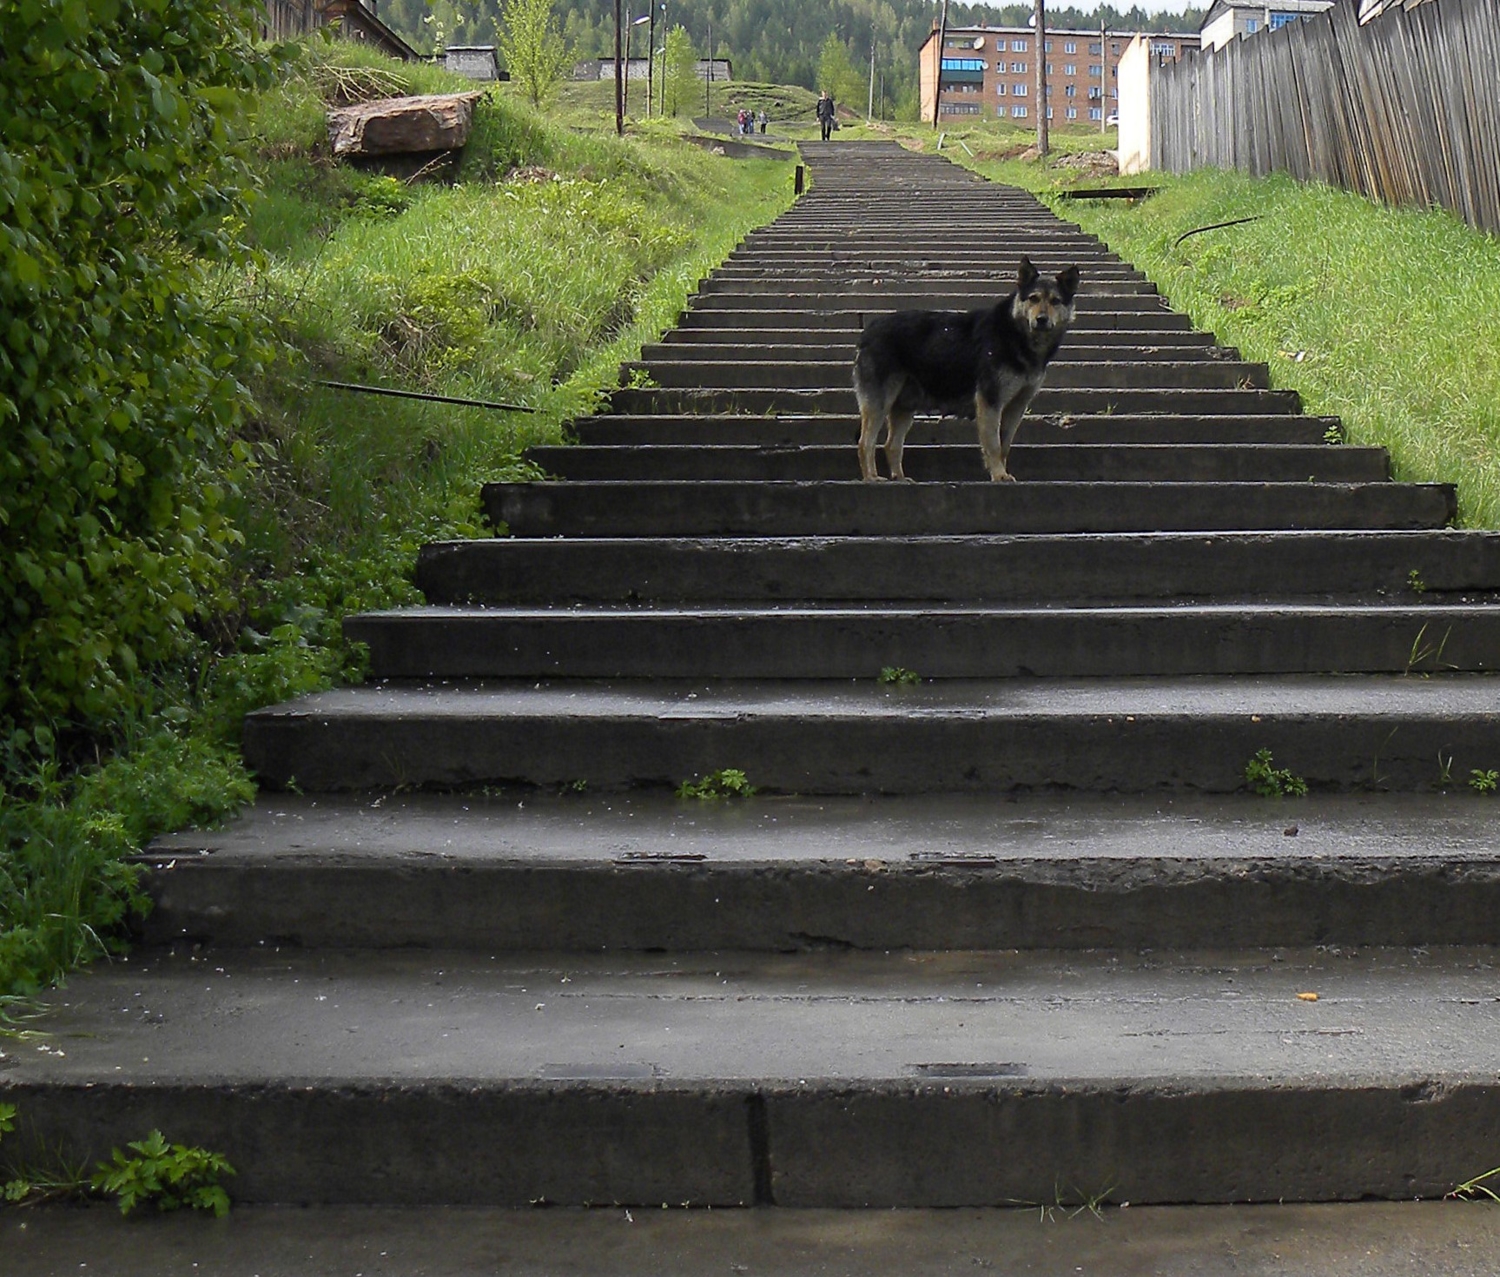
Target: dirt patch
1089	164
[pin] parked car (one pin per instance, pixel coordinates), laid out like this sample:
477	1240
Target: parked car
1112	119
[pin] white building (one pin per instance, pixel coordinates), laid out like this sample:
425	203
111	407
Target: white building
1227	19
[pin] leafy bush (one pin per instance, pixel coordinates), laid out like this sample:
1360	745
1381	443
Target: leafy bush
120	378
171	1175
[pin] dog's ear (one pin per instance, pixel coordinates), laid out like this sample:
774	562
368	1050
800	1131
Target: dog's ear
1026	275
1067	282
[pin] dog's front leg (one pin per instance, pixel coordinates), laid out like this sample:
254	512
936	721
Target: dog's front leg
991	440
1010	422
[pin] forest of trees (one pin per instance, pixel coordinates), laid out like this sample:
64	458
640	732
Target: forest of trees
775	41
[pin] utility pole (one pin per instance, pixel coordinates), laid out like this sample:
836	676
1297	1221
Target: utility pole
709	78
651	56
870	110
619	80
937	70
1039	21
1103	75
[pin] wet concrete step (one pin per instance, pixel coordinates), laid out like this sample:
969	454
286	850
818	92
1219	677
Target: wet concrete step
930	290
783	344
616	429
765	370
1131	308
633	872
832	1080
826	641
823	508
1409	566
1164	401
849	314
1210	463
1058	1237
1146	735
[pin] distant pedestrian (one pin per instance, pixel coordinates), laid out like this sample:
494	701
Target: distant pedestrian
763	121
825	114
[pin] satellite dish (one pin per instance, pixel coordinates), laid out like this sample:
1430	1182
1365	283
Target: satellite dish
979	42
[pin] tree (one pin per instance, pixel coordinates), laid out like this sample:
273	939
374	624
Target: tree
837	72
533	49
681	90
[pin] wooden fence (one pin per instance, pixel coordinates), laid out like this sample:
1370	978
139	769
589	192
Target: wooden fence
1405	109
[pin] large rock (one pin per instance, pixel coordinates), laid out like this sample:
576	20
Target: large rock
396	126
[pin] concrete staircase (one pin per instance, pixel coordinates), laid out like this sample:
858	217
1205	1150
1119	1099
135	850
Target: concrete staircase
1016	933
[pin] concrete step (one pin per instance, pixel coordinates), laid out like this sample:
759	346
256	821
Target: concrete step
930	289
829	346
822	508
1059	1236
849	314
1103	309
952	463
826	641
1144	735
1118	566
586	872
767	371
1049	400
1038	428
809	1080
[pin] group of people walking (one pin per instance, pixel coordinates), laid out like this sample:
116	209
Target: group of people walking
747	122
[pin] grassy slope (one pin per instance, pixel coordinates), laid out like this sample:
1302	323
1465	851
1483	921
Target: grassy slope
1382	316
529	281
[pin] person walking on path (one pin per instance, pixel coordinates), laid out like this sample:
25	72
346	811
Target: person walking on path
825	114
763	121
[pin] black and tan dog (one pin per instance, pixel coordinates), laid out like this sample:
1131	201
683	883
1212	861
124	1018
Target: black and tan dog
946	360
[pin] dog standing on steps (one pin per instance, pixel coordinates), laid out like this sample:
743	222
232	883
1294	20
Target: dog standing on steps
945	360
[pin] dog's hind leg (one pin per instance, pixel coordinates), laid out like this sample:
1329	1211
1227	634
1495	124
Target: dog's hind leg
871	418
900	419
991	438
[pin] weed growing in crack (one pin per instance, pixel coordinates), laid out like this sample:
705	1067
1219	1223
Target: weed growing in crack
1272	782
728	782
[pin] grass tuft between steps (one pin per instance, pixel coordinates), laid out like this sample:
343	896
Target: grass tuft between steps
525	277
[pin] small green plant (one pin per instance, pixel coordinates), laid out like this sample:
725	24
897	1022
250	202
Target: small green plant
171	1175
895	675
1445	770
1269	781
729	782
1474	1189
1483	782
1415	583
36	1184
640	379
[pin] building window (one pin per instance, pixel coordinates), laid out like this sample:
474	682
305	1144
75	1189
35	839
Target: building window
1095	93
1279	20
1070	46
1096	48
1048	47
1072	113
962	64
1018	112
1252	25
1096	71
1049	68
1096	113
1049	112
1018	46
1019	91
1018	68
1000	90
1070	90
1070	68
1166	49
958	108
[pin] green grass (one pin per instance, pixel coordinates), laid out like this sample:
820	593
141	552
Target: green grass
529	280
1381	316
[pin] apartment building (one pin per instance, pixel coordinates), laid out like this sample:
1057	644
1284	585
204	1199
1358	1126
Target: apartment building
991	72
1229	19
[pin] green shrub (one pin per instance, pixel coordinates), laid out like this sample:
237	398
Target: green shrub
121	375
